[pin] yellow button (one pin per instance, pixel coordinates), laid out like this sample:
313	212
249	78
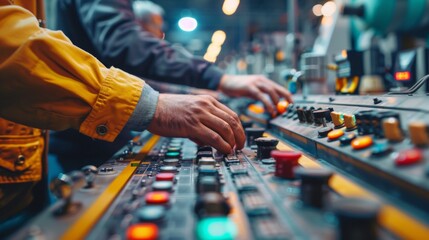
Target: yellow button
392	129
333	135
337	119
419	133
349	121
361	142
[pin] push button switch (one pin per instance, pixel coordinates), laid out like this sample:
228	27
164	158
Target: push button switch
408	157
362	142
392	129
164	177
286	161
211	204
152	213
314	185
157	197
162	186
380	149
357	219
419	133
265	146
347	139
335	134
337	119
350	122
142	231
216	228
252	134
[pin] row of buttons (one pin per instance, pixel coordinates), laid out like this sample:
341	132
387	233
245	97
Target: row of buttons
156	202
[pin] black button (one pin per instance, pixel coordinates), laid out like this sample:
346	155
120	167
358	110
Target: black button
323	132
347	139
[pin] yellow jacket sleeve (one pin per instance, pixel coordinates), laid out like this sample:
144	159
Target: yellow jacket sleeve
47	82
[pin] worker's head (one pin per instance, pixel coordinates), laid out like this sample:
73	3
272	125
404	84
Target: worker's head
150	17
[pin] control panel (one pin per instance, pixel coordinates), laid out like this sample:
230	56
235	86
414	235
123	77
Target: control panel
342	167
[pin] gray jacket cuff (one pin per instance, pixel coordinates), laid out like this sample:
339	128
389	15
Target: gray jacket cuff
144	111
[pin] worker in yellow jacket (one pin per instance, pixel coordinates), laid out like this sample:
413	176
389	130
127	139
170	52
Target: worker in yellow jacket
48	83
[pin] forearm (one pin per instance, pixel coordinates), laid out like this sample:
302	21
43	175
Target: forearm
47	82
121	42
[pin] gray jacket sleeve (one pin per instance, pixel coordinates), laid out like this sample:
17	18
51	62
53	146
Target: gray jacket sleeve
120	41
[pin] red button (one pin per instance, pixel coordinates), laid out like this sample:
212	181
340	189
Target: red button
142	231
160	197
285	163
408	157
164	177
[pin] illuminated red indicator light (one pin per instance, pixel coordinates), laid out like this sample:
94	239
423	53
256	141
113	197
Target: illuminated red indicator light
402	76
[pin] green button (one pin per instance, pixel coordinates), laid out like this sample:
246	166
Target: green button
172	154
216	228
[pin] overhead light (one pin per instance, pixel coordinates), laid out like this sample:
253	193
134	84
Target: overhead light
328	9
213	49
317	10
219	37
188	24
230	6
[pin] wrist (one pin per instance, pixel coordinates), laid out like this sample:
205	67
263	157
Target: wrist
223	81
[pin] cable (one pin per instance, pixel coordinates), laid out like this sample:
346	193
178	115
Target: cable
412	89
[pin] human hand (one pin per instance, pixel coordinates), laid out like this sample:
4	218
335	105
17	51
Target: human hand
254	86
200	91
200	118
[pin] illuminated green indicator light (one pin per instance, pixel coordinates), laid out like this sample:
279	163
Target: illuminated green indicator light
172	154
216	228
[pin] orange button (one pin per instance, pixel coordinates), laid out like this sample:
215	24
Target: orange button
361	142
335	134
160	197
142	231
282	106
257	109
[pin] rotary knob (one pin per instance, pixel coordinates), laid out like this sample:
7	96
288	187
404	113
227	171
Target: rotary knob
314	185
265	146
357	219
286	161
252	134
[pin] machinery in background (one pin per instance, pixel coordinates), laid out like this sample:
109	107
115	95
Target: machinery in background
400	29
359	72
410	66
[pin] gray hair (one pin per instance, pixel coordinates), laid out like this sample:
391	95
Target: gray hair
144	9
